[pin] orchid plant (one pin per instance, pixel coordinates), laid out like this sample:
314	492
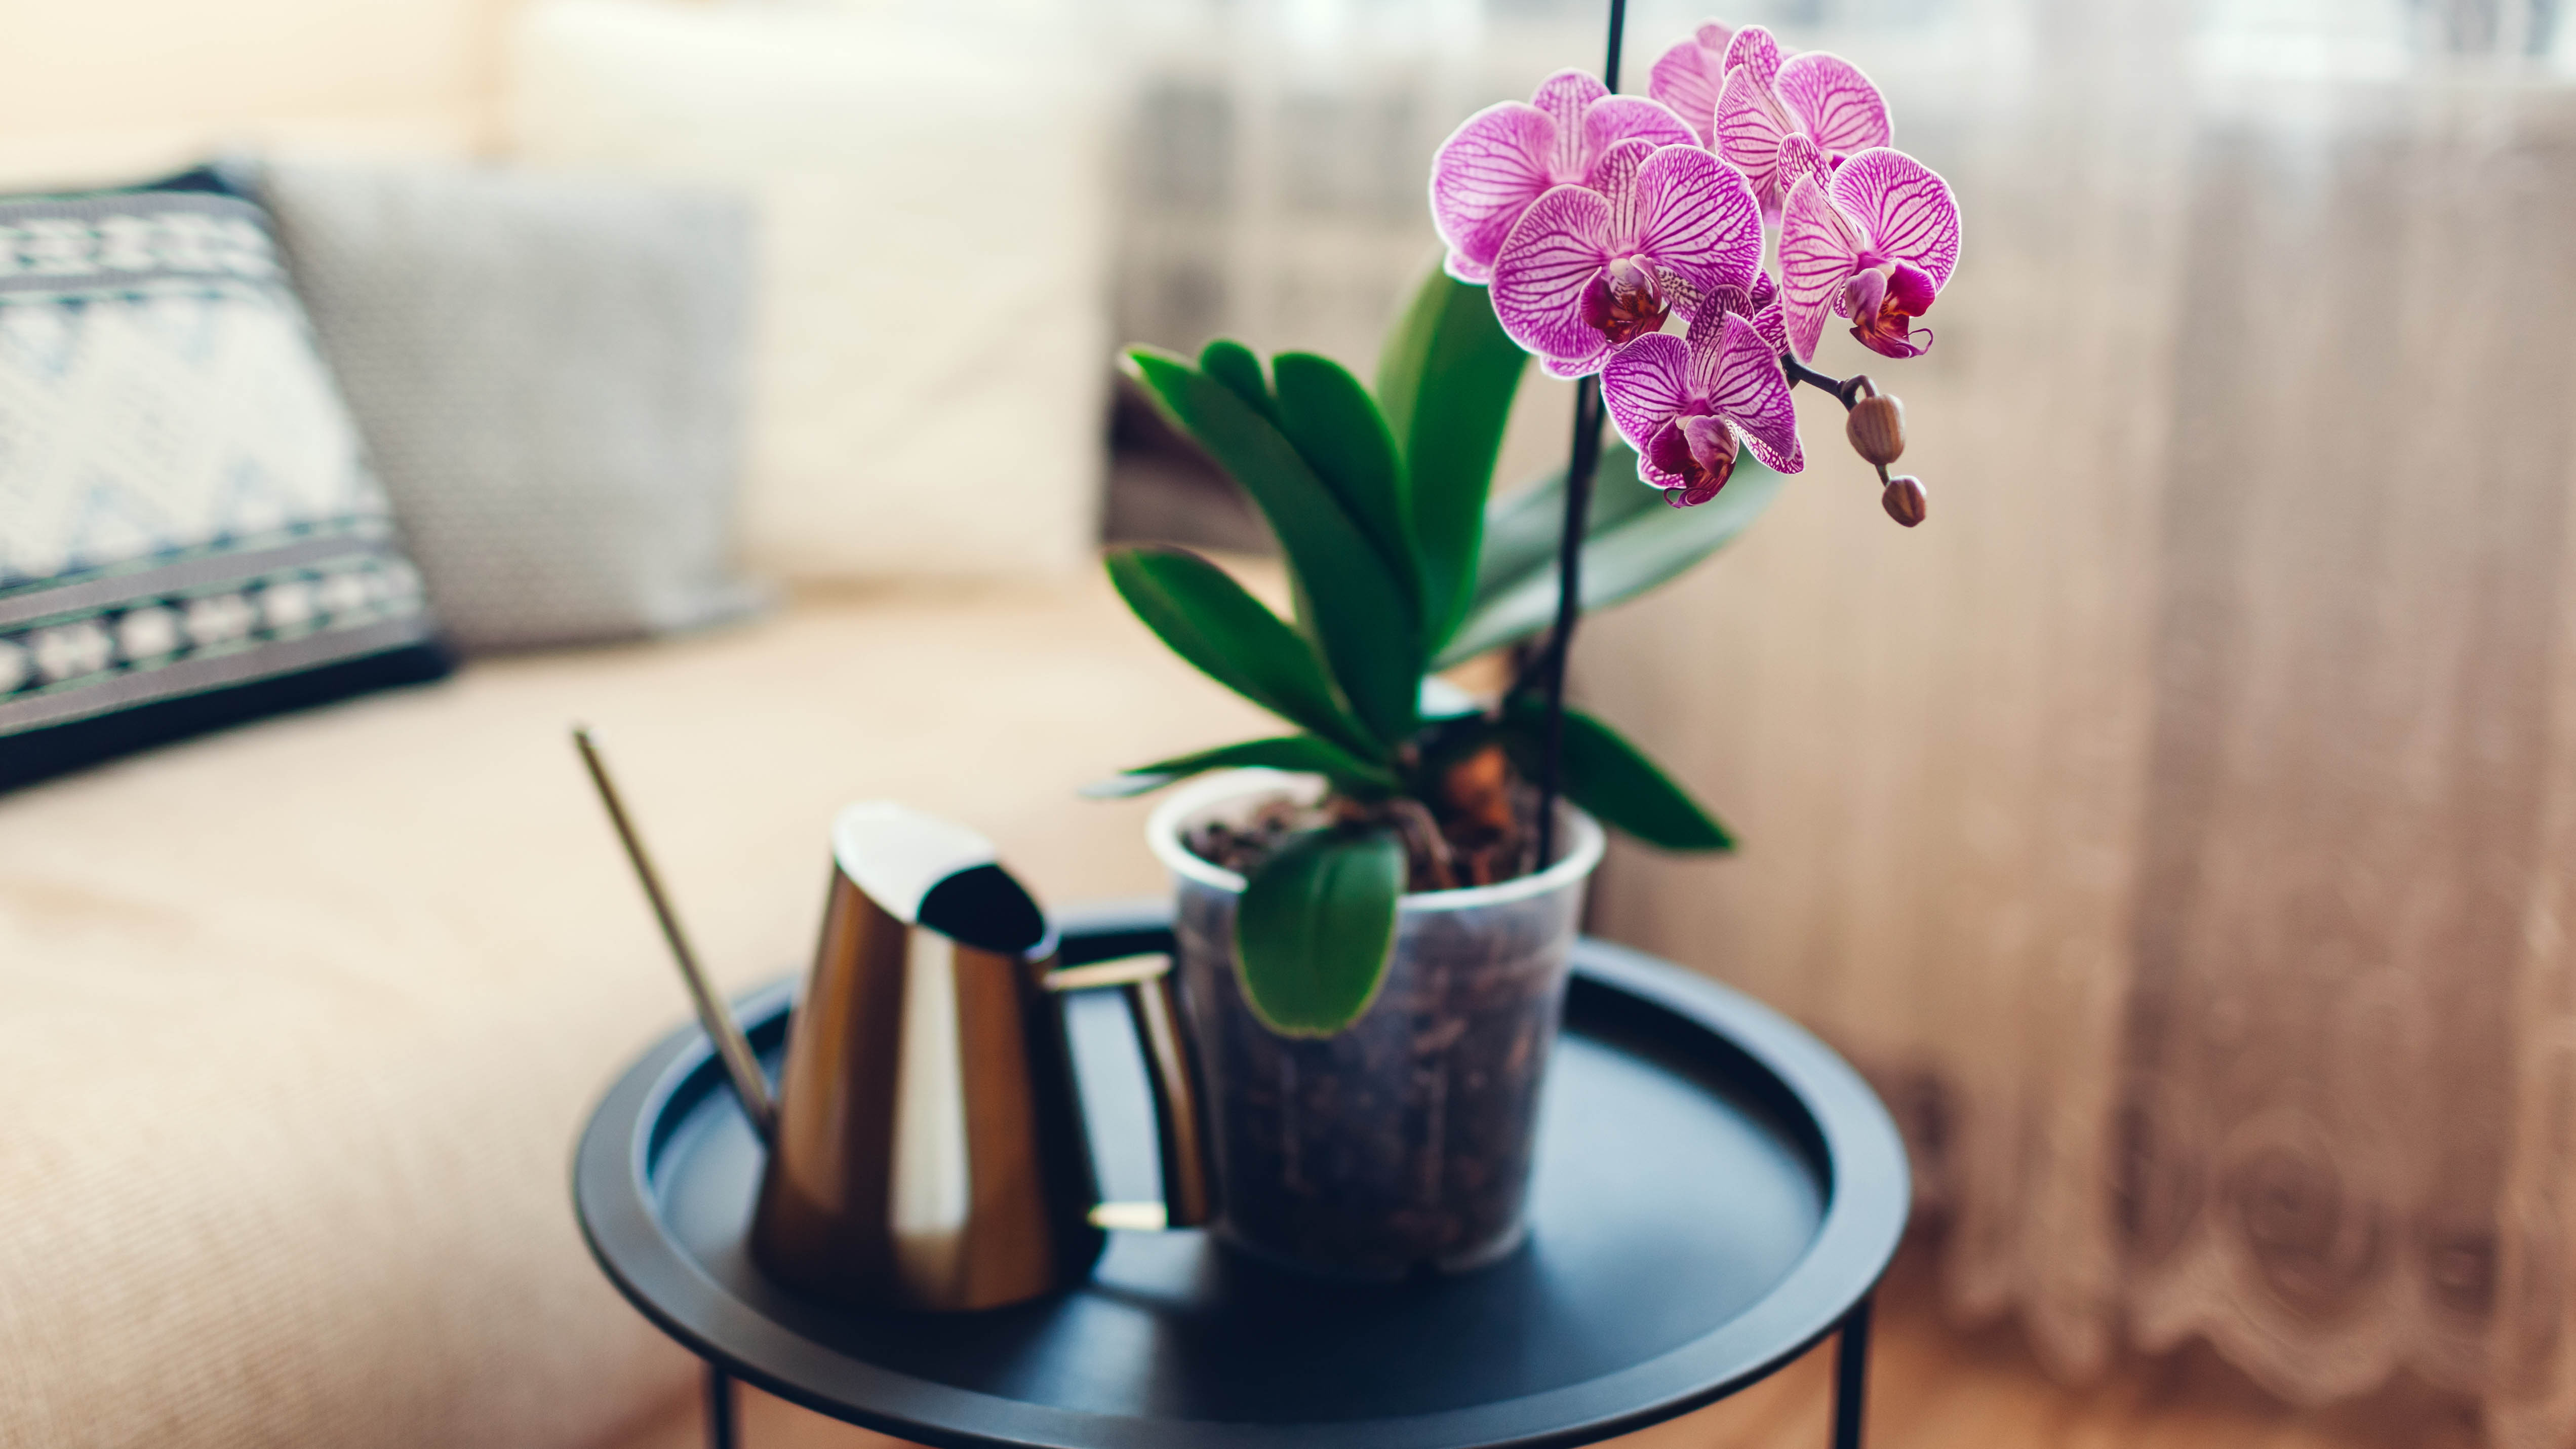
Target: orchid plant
1621	240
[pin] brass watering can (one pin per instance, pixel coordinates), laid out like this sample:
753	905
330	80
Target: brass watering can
928	1150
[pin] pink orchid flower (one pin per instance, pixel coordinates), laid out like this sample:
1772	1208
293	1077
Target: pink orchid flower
1650	231
1688	76
1875	242
1684	403
1766	100
1507	156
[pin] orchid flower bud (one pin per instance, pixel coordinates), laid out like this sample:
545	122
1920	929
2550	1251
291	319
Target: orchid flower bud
1903	499
1876	428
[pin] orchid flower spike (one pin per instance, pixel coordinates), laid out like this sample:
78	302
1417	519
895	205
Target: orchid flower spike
1594	267
1875	242
1507	156
1685	402
1688	77
1766	100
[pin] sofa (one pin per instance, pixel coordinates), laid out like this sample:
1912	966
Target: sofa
299	1020
302	1019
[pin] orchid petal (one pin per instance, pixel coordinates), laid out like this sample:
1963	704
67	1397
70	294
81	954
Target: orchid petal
1750	126
1819	250
1906	210
1862	294
1661	458
1619	119
1773	326
1712	446
1764	291
1707	331
1565	96
1578	365
1553	253
1799	158
1682	294
1913	289
1645	385
1752	391
1614	176
1753	48
1687	78
1835	103
1898	345
1697	218
1485	175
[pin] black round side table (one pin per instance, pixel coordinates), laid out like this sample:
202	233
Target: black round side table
1715	1193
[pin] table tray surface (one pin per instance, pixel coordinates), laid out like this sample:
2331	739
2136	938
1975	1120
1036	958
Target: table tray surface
1714	1190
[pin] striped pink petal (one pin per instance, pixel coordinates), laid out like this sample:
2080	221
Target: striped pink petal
1697	218
1754	49
1647	384
1577	365
1565	96
1771	321
1686	78
1484	176
1556	249
1614	174
1904	210
1632	118
1819	250
1834	103
1748	388
1750	126
1799	159
1707	330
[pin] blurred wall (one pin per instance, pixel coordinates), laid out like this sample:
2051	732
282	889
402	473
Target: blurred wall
107	90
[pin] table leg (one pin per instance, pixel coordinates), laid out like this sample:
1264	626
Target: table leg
1851	1376
720	1421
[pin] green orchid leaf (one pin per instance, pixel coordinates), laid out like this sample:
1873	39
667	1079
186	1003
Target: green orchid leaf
1353	605
1235	365
1445	384
1613	779
1442	700
1521	529
1304	754
1636	549
1334	423
1315	927
1231	637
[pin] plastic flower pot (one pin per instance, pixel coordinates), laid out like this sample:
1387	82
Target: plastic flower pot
1400	1144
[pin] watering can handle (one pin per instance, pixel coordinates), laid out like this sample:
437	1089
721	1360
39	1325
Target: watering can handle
1153	1007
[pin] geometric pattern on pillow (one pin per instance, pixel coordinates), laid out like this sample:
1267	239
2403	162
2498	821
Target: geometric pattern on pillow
184	503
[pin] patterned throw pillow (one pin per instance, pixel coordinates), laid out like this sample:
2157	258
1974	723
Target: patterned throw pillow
189	535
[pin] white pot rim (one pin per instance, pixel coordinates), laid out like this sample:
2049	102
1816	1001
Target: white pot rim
1163	834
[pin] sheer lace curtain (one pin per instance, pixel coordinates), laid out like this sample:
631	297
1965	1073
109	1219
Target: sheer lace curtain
2181	826
2177	825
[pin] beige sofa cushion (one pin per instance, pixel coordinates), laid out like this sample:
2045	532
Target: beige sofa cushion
297	1024
931	352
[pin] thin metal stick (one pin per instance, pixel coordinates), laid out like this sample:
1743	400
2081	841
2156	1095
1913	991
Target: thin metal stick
732	1047
1584	460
